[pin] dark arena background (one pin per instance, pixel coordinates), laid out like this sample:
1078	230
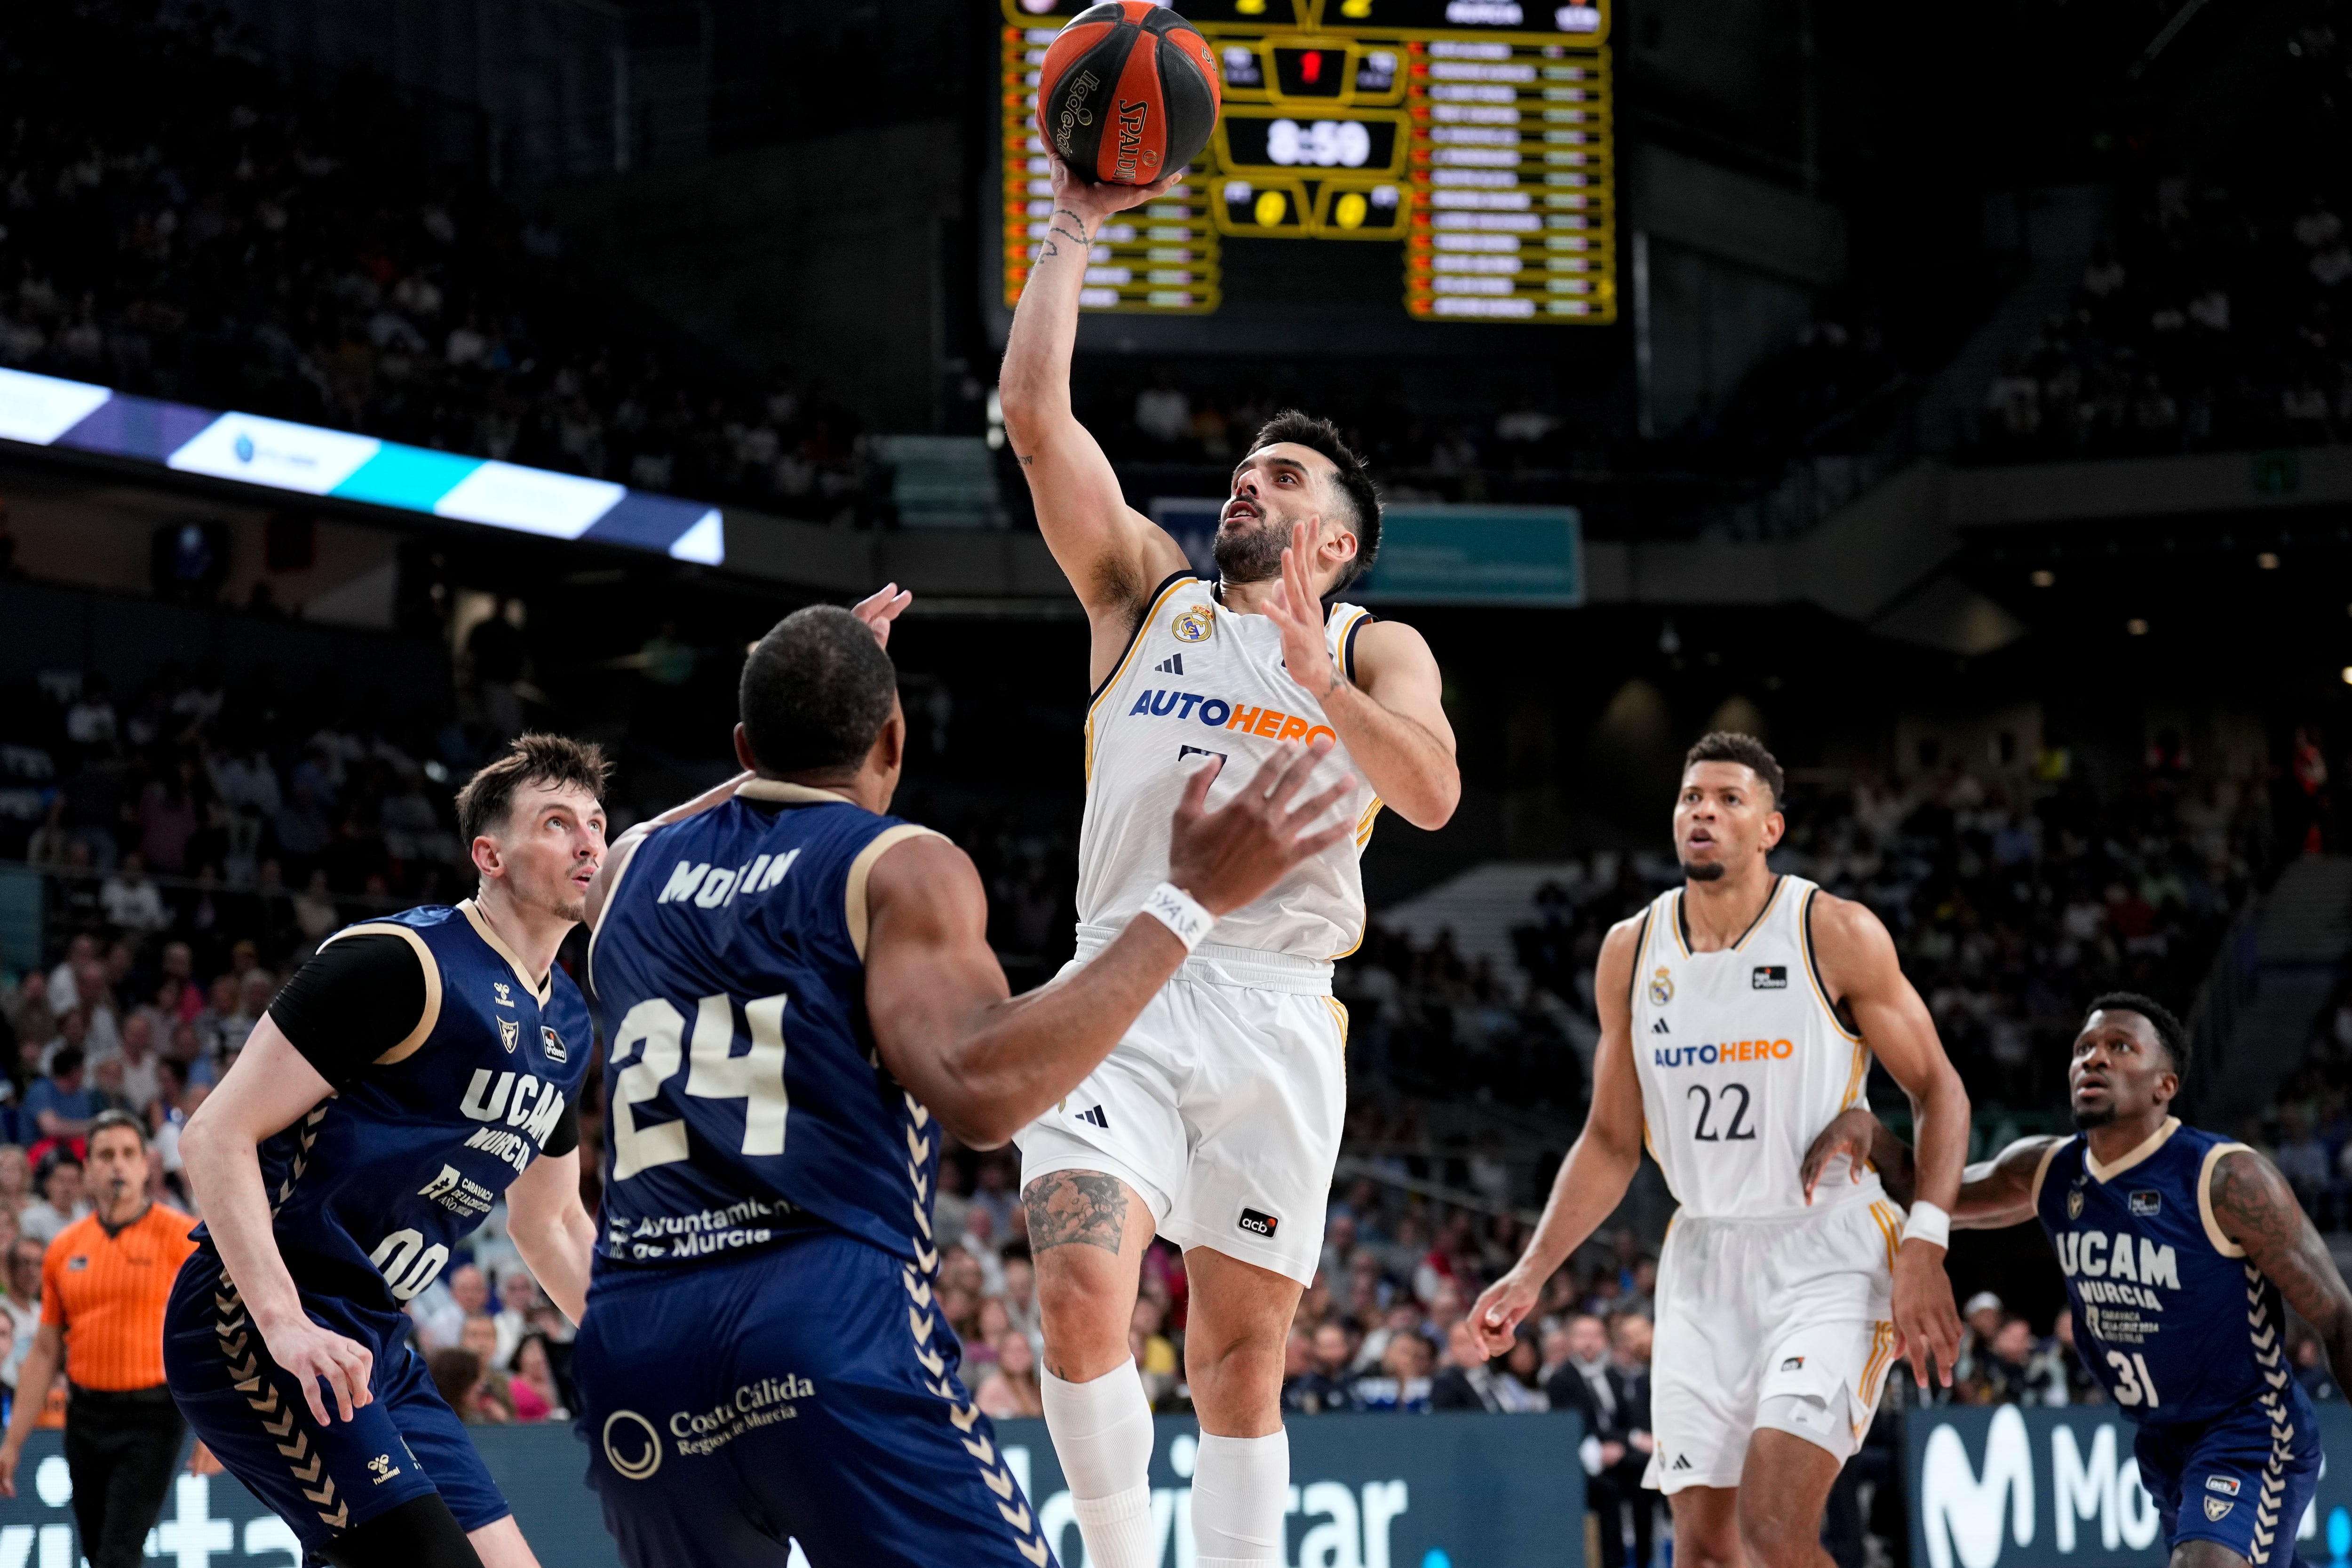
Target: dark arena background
1958	399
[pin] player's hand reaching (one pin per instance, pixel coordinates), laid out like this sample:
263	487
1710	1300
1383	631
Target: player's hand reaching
1500	1309
1298	613
1852	1134
1090	203
312	1353
880	608
1927	1323
1226	857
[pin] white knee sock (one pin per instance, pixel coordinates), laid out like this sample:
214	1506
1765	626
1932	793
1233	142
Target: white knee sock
1241	1491
1102	1435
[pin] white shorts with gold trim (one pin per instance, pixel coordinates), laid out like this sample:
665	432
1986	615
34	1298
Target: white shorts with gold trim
1784	1323
1222	1108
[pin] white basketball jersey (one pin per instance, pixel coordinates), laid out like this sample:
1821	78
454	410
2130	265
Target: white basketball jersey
1743	1061
1199	679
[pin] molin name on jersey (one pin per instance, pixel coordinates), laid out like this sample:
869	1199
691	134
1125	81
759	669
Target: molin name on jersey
521	1100
708	888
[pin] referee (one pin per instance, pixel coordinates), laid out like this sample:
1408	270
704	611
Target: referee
104	1284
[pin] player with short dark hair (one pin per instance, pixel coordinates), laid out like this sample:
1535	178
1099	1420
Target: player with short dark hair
1739	1014
417	1069
1216	1124
2181	1251
799	997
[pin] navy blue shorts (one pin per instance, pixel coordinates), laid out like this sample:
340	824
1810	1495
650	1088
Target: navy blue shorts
321	1481
807	1393
2243	1482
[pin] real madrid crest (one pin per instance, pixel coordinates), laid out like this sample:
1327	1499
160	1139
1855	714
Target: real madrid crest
2075	1203
1193	625
1661	989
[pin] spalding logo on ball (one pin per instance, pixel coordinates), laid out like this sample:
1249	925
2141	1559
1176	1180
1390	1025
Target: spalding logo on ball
1129	93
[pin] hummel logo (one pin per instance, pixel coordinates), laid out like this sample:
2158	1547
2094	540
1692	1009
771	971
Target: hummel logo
1095	1114
1172	665
382	1468
1660	1027
502	993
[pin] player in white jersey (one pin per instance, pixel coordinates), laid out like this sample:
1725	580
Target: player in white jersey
1739	1016
1216	1121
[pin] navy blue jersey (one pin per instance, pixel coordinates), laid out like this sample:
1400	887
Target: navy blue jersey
746	1100
375	1185
2168	1312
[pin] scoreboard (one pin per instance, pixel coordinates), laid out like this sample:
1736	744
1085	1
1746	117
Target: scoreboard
1475	136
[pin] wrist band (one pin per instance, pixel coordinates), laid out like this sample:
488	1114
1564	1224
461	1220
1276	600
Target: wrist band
1179	911
1929	1224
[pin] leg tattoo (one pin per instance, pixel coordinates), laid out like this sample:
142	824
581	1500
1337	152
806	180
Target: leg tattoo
1067	1206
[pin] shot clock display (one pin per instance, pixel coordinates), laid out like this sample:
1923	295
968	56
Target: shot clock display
1474	135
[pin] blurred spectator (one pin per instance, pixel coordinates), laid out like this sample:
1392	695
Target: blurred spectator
1402	1383
23	1303
58	1107
464	1381
1010	1387
531	1389
1326	1383
442	1309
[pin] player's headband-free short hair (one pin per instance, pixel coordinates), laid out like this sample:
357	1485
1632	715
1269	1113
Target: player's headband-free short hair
1353	481
1731	746
2161	1019
111	1120
488	799
816	691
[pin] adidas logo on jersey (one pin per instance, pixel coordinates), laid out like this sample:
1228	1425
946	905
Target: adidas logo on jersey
1094	1116
1172	665
1660	1027
1682	1462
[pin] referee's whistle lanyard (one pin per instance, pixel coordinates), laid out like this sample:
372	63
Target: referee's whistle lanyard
114	1230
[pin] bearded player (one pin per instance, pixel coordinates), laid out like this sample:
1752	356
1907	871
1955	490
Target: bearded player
1739	1016
1216	1119
2181	1251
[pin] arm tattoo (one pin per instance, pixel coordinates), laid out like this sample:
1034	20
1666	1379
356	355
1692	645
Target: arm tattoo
1076	222
2256	1209
1067	1206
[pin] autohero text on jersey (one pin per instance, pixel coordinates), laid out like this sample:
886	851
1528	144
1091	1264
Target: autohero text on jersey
1219	715
1728	1053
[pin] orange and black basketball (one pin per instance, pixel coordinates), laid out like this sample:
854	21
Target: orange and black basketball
1129	93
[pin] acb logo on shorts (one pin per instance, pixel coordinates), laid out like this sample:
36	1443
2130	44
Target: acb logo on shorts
1258	1224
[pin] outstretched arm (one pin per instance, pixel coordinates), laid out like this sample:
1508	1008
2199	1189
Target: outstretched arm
2256	1208
1111	554
988	1063
1600	1166
1859	968
1994	1194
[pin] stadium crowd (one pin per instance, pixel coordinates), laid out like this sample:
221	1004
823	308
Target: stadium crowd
177	219
2208	316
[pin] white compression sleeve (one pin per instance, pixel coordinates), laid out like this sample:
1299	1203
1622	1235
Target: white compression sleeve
1241	1489
1102	1435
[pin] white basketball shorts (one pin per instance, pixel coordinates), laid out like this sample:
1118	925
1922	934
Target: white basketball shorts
1222	1107
1785	1323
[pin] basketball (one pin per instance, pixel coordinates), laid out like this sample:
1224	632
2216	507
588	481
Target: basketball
1128	92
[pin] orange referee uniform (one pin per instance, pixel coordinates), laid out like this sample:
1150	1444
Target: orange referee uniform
106	1291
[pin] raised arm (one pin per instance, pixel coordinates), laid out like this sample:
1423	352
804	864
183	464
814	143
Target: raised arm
1600	1165
1860	969
1111	554
2256	1208
988	1063
1994	1194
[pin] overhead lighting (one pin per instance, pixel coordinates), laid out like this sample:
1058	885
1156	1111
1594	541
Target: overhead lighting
2347	674
2267	560
2137	627
2043	578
